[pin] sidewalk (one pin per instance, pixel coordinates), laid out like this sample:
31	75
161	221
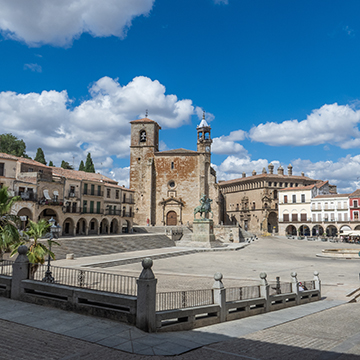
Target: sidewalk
127	338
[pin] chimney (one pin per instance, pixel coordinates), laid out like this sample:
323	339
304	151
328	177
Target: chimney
302	173
290	170
280	170
271	168
264	171
244	174
253	173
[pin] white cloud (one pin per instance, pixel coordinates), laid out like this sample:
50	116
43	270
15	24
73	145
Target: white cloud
38	22
209	117
99	125
227	144
33	67
225	2
121	175
332	124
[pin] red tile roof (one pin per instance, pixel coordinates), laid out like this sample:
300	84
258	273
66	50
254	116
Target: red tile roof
81	175
145	120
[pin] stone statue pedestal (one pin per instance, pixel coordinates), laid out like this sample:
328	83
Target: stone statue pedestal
203	230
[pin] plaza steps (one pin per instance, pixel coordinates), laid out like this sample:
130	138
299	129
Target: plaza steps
138	259
82	247
355	294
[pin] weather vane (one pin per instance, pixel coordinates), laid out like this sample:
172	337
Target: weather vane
146	113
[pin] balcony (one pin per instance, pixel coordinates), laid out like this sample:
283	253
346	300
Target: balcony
128	214
26	196
73	194
113	212
72	210
86	210
93	193
52	202
128	201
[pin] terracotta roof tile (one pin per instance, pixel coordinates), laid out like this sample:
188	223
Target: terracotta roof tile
356	193
145	120
81	175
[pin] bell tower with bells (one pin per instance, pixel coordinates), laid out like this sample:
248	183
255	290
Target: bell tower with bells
204	140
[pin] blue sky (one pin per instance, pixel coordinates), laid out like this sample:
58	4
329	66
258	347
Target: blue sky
279	81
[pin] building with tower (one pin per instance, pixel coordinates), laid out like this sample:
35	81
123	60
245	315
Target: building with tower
168	184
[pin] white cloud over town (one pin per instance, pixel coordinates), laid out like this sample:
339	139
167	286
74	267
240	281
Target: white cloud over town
38	22
331	124
227	145
99	125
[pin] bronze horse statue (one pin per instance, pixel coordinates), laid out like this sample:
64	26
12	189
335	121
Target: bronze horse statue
204	208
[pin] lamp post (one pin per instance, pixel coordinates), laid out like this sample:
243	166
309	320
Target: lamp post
54	231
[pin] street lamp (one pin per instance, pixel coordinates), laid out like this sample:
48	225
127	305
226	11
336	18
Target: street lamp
54	231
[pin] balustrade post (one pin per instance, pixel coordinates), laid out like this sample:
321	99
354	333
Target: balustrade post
146	298
220	295
317	282
295	286
264	290
20	272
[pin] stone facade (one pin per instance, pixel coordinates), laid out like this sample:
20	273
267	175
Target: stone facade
81	203
169	184
252	201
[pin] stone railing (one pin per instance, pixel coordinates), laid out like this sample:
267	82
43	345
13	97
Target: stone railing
140	304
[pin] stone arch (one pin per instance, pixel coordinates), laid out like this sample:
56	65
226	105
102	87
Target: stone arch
290	230
357	227
114	226
104	226
317	230
331	230
345	228
25	212
93	227
49	213
272	222
81	227
68	227
304	230
125	226
171	218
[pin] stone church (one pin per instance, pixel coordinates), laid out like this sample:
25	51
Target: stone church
168	184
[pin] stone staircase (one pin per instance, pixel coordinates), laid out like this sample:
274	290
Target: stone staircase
92	246
355	294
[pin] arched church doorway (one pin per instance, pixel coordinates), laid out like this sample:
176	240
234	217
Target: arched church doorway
171	218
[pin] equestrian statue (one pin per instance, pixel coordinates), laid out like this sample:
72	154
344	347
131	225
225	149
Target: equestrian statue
204	208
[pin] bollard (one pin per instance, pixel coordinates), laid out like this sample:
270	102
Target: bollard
264	290
146	298
295	286
220	295
20	272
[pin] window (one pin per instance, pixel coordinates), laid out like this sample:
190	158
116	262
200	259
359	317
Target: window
2	166
355	203
302	198
30	170
253	205
85	188
294	199
124	211
285	199
314	217
142	136
117	194
339	217
296	184
291	184
92	189
98	204
269	183
332	216
99	190
275	194
114	212
319	206
280	184
172	183
356	215
74	204
319	217
91	207
72	191
172	165
275	183
124	198
85	206
294	217
92	225
345	217
339	205
303	217
286	217
108	193
286	184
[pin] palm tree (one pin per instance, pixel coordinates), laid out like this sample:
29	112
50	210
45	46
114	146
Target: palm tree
9	233
37	250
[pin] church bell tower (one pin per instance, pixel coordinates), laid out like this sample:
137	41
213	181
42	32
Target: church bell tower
204	140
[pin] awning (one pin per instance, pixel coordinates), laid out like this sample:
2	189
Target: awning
46	194
56	193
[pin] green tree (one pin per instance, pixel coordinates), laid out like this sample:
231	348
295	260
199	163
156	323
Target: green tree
37	251
10	144
66	165
40	156
81	166
9	233
51	163
89	165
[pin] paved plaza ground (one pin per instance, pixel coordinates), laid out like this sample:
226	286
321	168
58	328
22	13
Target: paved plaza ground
324	330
